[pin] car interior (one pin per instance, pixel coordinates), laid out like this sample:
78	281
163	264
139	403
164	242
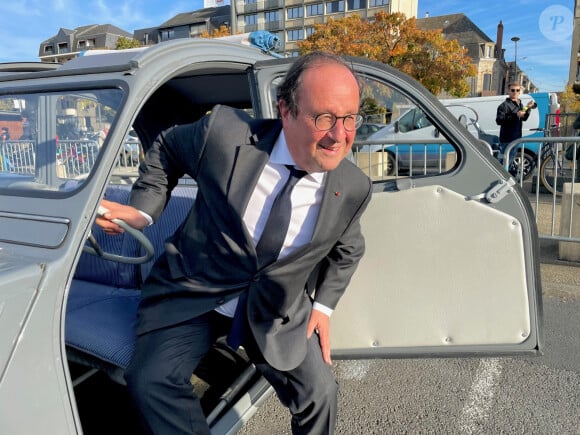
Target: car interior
103	298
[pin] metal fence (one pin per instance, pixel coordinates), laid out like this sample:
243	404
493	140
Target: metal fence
554	185
17	157
557	215
74	158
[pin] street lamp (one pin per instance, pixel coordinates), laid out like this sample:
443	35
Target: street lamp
515	39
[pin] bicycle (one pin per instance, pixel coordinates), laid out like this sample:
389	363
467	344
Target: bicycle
554	166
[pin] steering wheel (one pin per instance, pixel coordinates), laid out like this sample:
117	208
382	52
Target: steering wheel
95	248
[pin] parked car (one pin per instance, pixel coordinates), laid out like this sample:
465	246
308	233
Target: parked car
366	129
486	108
411	144
68	292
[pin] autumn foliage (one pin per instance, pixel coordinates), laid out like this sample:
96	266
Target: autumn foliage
124	43
437	63
217	33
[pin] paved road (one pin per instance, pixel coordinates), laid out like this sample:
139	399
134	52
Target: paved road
525	395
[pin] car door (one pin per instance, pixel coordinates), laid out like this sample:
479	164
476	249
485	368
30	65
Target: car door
451	263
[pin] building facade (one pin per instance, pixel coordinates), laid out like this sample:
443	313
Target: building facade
493	72
186	25
68	44
293	20
574	78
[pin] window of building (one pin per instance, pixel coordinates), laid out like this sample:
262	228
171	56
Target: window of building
488	51
315	9
309	31
295	34
356	4
197	29
48	49
487	82
335	6
166	35
292	13
250	20
63	47
271	16
377	3
85	43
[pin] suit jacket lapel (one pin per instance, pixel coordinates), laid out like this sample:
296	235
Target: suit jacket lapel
250	160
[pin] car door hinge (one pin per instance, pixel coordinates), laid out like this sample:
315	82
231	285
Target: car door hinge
497	192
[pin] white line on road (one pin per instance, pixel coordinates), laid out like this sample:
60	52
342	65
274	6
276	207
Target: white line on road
480	399
354	370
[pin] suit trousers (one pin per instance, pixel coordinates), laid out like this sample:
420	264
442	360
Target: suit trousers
158	380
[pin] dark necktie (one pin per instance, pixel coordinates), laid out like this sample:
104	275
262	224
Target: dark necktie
276	227
268	248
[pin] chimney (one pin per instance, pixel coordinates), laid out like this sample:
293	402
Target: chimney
499	41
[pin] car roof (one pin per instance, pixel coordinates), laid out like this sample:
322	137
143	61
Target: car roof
102	61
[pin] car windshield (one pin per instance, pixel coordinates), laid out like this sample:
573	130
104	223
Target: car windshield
52	140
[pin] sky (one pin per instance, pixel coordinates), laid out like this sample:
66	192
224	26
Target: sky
544	27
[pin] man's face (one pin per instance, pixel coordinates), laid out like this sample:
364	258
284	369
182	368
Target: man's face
326	88
514	92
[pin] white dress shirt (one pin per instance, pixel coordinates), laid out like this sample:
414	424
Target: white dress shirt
306	198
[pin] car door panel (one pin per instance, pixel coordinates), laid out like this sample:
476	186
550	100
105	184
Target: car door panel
445	292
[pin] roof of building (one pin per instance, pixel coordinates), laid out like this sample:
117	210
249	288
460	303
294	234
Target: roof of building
90	30
201	15
456	26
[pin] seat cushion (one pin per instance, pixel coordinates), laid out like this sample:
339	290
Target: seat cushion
100	321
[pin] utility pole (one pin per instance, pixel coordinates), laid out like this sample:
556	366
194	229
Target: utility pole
515	39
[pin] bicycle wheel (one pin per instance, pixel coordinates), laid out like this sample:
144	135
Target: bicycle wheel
554	172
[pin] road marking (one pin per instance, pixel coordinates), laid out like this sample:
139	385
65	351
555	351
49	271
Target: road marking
354	370
480	399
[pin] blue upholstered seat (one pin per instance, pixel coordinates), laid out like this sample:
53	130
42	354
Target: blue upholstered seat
104	295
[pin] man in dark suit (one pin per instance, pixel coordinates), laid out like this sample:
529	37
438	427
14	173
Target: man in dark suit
214	268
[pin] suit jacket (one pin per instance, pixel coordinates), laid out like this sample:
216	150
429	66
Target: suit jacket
211	257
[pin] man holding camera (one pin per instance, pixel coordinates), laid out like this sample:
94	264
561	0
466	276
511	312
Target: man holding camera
510	116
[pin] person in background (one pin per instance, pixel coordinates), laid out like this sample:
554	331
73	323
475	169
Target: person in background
4	134
102	135
5	161
510	116
247	259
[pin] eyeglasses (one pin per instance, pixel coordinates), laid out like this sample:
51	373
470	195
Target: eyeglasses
326	121
514	90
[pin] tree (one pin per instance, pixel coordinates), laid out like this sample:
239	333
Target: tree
217	33
570	100
437	63
124	43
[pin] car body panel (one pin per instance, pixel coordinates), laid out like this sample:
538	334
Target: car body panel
150	90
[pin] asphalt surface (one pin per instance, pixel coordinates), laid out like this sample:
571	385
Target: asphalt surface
523	395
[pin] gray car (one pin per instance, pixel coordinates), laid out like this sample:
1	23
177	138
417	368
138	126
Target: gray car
68	292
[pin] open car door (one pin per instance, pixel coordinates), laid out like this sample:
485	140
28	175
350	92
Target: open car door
451	264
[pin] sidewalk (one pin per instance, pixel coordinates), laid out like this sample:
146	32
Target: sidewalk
559	278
